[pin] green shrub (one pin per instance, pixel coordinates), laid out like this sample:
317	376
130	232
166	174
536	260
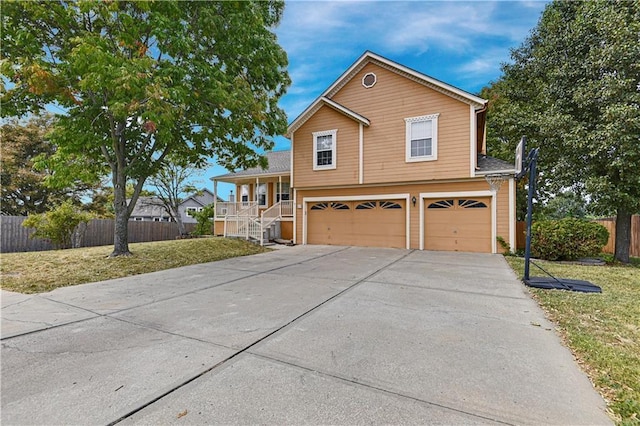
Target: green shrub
58	224
567	239
204	219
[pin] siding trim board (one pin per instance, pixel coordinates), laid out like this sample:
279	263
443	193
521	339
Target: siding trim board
472	137
405	197
512	214
361	154
459	194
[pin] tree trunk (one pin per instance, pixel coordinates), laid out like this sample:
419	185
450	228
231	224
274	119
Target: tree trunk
623	235
178	219
121	229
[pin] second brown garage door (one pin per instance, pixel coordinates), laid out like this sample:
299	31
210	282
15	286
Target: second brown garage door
372	223
458	224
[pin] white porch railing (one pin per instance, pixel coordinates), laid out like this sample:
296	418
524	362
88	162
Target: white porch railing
286	208
244	221
244	227
224	208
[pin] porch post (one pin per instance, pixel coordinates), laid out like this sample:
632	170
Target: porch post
255	191
215	200
279	193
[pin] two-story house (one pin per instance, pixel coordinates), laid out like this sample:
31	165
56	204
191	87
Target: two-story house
386	157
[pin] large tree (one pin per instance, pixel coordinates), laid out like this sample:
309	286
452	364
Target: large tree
24	190
143	80
171	184
573	88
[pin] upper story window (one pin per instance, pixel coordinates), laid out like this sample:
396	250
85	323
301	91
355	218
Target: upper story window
324	149
422	138
262	194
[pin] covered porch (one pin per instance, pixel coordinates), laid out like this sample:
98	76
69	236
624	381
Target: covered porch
260	206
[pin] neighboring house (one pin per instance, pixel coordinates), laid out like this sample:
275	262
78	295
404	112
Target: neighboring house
195	203
385	157
149	209
152	209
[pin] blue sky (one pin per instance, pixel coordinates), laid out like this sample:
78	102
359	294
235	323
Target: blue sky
462	43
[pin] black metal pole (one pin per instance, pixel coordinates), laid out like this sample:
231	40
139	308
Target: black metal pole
533	157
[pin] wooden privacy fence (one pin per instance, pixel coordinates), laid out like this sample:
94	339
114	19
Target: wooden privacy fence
609	223
634	245
14	237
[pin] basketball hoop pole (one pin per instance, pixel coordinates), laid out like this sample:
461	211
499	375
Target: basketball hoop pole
531	165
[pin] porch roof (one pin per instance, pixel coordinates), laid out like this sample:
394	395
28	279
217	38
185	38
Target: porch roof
279	163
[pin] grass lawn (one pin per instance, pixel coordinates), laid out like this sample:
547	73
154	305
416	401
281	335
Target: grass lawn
602	330
41	271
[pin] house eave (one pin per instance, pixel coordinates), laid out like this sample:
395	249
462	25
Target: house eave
233	179
419	77
316	105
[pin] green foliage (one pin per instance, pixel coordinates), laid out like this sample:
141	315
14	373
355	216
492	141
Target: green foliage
572	89
565	204
23	187
567	239
143	81
205	221
57	225
504	244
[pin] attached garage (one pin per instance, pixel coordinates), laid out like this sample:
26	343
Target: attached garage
369	223
458	224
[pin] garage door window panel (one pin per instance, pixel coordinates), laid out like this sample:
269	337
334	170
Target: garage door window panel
368	205
339	206
324	149
320	206
442	204
472	204
389	205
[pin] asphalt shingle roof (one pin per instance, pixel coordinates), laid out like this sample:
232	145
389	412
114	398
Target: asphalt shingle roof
491	164
279	162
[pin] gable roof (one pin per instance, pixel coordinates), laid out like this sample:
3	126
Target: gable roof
149	207
316	105
279	162
197	197
370	57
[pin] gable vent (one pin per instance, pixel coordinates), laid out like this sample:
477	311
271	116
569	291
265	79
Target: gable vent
369	80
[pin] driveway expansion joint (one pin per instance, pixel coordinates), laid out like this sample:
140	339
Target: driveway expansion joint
260	340
355	381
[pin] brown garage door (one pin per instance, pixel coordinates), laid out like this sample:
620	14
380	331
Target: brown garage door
357	223
458	224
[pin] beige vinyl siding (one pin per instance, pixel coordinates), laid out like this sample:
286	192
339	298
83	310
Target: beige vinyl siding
386	105
414	190
347	146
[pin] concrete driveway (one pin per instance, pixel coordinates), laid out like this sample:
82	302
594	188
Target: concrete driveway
302	335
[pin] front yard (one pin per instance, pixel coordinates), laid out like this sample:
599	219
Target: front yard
36	272
602	330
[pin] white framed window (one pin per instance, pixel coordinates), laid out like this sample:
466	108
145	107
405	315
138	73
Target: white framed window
157	219
324	149
244	193
283	194
191	210
262	194
138	219
422	138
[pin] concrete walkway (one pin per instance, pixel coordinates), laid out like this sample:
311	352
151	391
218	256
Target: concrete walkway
303	335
